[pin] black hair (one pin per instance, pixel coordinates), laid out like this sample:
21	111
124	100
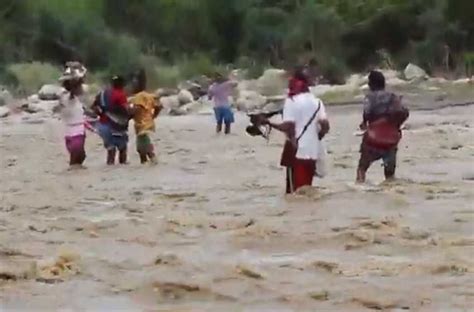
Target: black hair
376	81
118	82
300	73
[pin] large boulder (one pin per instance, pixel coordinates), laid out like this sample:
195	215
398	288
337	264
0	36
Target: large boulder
170	103
273	82
247	85
413	72
250	100
50	92
185	97
4	111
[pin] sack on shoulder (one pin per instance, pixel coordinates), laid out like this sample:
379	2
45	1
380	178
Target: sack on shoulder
383	134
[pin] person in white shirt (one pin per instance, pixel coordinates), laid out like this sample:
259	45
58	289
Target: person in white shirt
305	123
71	111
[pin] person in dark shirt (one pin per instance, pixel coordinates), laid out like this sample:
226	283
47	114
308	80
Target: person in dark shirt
382	118
113	110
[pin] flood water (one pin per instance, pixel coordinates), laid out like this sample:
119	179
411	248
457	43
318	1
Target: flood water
209	228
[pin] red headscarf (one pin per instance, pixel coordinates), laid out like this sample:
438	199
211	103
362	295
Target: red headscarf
297	86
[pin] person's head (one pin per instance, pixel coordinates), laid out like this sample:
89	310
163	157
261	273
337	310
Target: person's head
376	81
139	81
118	82
300	73
219	78
299	83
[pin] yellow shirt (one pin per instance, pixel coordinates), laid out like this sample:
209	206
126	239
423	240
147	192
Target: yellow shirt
144	104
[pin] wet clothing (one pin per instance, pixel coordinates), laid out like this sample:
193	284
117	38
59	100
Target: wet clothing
145	105
72	115
116	114
381	105
75	147
369	155
113	139
220	93
301	174
144	144
299	109
113	124
224	115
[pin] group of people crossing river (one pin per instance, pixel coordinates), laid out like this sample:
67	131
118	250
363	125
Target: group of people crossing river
305	122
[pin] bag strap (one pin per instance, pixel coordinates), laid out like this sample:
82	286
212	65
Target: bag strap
309	122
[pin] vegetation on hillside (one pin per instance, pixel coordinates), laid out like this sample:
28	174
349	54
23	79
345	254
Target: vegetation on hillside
182	38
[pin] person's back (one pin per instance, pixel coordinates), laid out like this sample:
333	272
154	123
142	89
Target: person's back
299	109
144	107
382	117
220	92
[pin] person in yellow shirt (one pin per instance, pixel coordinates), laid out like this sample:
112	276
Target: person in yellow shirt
145	107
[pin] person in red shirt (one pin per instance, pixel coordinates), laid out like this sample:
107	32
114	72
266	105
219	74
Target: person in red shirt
113	109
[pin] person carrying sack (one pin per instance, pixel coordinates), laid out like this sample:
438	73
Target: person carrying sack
305	123
383	117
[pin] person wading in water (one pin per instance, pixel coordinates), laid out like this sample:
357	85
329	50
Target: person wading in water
113	109
305	123
382	118
145	109
220	92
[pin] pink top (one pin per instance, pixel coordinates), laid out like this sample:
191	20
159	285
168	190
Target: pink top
220	93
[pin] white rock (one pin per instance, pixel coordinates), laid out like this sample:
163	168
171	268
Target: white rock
250	100
395	81
462	81
364	87
438	80
33	99
247	85
185	97
170	102
5	97
4	111
178	111
357	80
50	92
413	72
272	82
320	90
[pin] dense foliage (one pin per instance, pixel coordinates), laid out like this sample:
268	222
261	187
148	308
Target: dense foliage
183	37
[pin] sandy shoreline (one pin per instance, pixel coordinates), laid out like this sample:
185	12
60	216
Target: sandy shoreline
209	229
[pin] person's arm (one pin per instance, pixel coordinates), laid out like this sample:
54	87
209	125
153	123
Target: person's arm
287	126
210	92
365	115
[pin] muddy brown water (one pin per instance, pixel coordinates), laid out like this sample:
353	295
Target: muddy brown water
209	229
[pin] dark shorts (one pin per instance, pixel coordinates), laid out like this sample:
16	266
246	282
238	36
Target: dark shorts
144	144
75	144
112	139
369	155
224	115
